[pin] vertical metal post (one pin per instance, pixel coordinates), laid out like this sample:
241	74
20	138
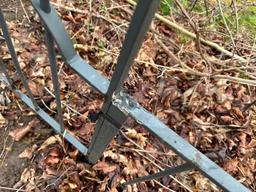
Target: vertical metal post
106	131
15	59
52	59
140	23
45	5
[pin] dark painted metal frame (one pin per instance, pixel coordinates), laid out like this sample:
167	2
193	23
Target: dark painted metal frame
118	105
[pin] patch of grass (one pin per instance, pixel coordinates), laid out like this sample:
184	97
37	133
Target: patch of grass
166	6
184	39
247	19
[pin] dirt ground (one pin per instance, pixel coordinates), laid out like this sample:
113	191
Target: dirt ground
11	166
10	172
12	9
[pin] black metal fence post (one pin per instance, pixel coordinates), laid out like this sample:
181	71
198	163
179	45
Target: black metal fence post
105	131
45	5
118	105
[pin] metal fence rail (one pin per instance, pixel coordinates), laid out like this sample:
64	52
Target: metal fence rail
118	105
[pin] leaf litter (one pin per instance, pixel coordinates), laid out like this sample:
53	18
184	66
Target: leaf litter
207	112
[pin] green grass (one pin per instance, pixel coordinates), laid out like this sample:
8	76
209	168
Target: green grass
247	19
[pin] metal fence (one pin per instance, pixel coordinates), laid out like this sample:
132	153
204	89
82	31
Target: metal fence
118	105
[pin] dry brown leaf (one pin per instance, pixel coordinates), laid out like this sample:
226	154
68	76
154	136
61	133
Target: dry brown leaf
115	156
34	88
52	160
2	120
133	134
226	118
19	133
50	173
227	105
28	152
130	168
51	140
105	167
54	156
238	112
27	175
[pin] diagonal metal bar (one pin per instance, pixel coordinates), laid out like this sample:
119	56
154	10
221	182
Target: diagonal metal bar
53	123
166	172
14	58
52	58
105	131
117	110
55	26
180	146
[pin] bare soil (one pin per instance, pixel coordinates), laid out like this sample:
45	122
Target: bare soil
11	166
12	9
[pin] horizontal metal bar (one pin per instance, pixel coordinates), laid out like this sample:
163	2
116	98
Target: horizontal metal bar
89	74
53	123
166	172
180	146
152	123
62	39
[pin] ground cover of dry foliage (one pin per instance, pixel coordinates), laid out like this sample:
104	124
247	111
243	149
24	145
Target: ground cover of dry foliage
199	92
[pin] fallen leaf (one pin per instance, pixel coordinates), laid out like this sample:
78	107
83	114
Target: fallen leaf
27	175
130	169
51	160
116	156
2	120
51	140
53	157
226	118
133	134
19	133
105	167
28	152
238	112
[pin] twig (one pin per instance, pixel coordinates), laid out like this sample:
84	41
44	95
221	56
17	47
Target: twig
4	147
158	166
22	5
194	26
193	36
11	189
69	8
189	70
226	25
236	15
65	104
47	106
